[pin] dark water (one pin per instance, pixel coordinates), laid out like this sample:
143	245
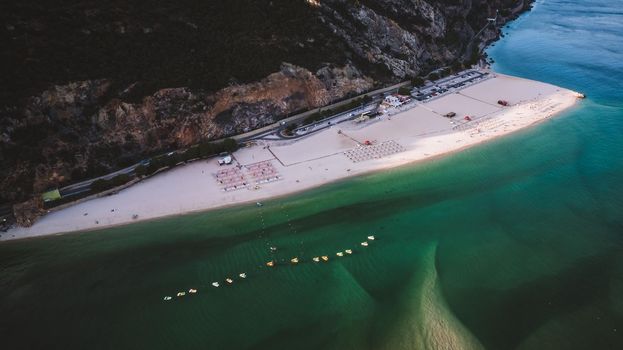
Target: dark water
514	244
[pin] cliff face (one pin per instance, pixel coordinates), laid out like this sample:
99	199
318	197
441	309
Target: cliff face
91	86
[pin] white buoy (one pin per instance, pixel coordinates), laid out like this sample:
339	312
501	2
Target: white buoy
216	284
243	275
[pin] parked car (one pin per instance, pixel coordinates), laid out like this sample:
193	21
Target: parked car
225	159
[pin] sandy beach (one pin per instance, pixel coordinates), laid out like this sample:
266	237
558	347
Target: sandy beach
267	169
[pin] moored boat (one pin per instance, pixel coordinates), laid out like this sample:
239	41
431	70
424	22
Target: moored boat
216	284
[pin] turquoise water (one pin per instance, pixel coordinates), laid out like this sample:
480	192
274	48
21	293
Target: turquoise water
516	244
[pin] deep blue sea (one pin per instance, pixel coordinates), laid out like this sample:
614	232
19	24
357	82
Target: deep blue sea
514	244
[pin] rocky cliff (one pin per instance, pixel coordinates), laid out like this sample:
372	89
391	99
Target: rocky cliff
91	86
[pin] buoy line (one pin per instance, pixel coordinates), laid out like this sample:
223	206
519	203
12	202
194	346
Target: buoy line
272	263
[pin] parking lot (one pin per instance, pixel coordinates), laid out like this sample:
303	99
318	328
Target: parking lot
448	84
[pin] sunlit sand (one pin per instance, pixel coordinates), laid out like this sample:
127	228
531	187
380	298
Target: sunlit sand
419	133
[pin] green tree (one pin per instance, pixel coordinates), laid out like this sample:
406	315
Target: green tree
229	145
191	153
417	81
119	180
404	90
100	185
140	170
206	149
172	159
290	128
457	66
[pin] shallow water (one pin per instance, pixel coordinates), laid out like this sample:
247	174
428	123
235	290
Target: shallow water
512	244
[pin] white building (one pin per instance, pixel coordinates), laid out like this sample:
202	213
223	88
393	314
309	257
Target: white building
393	101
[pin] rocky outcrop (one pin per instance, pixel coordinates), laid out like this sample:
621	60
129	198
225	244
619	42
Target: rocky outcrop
28	211
97	86
76	132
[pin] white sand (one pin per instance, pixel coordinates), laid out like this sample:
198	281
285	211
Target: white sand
319	158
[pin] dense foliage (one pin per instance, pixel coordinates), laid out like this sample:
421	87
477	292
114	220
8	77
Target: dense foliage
158	43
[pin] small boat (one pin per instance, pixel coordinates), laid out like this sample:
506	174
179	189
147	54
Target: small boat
229	280
181	294
365	244
259	204
316	259
371	238
192	291
339	254
243	275
167	298
216	284
294	260
273	249
348	251
270	263
324	258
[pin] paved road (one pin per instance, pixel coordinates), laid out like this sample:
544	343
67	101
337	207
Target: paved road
268	132
273	131
85	186
319	125
334	120
449	84
269	129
